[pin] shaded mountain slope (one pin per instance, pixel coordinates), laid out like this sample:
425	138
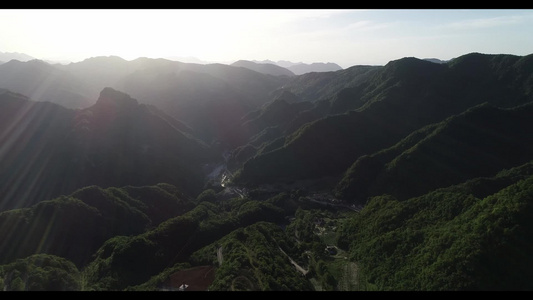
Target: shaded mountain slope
437	157
30	160
43	82
49	150
75	226
208	98
265	68
206	104
479	142
175	240
324	85
278	113
318	148
261	127
101	71
119	142
402	97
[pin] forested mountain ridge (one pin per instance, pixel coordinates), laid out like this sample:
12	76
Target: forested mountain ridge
76	225
43	82
455	238
479	142
30	132
185	91
410	176
115	142
403	96
209	98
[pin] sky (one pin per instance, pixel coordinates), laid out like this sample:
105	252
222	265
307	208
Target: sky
346	37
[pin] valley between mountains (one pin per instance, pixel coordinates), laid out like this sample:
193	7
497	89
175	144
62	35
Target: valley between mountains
158	175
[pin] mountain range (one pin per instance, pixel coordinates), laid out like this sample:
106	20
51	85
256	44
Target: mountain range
302	68
114	142
125	175
265	68
392	93
7	56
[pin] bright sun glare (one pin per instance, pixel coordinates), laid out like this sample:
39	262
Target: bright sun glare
209	34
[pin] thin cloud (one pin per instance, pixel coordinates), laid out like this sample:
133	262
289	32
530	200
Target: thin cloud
368	25
483	23
289	34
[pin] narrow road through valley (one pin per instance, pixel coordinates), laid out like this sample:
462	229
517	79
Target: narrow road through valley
219	255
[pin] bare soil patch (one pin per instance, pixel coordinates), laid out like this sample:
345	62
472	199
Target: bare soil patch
197	278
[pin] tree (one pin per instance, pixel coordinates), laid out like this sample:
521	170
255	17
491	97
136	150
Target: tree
17	284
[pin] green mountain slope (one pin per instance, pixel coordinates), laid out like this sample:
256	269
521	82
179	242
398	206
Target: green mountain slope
75	226
472	236
129	261
414	176
405	95
480	142
49	150
41	272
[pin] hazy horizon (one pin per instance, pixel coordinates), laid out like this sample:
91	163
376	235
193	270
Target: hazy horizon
346	37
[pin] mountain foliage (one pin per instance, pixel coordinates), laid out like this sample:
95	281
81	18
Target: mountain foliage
413	176
479	142
41	272
471	236
75	226
402	97
115	142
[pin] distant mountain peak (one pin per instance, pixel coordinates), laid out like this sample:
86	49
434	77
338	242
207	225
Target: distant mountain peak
7	56
38	62
103	57
117	99
300	68
265	68
436	60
